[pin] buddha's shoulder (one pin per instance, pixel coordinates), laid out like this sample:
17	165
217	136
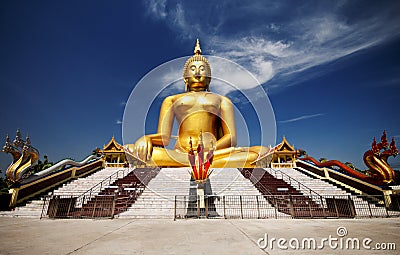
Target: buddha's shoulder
216	98
196	94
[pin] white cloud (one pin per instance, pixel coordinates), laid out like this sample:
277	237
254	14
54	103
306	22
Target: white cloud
179	17
304	117
118	122
292	40
157	8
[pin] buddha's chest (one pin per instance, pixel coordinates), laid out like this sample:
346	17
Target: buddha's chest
197	102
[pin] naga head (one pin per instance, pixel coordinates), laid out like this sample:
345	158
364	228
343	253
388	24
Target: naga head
384	142
18	142
374	147
27	145
7	146
393	148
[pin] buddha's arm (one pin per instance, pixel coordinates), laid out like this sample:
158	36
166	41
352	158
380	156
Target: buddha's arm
228	125
165	123
144	145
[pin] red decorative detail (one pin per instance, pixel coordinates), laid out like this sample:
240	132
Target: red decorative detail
201	170
384	142
374	147
345	168
379	170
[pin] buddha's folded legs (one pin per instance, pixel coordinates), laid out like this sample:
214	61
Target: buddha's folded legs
230	157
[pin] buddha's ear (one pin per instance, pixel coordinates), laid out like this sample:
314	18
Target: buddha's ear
208	80
186	84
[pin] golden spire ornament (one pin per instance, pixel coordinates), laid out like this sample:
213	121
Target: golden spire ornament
197	49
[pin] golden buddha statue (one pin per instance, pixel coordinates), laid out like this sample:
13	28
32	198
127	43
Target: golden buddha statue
200	114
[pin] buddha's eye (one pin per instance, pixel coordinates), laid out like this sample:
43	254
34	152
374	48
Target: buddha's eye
202	68
193	68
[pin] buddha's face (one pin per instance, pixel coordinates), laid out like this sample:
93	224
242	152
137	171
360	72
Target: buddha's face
197	77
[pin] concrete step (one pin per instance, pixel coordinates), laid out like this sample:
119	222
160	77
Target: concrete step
74	188
327	189
158	199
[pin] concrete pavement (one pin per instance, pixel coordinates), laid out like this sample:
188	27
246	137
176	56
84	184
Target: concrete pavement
195	236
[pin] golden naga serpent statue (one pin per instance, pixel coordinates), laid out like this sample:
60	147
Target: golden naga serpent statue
24	157
379	171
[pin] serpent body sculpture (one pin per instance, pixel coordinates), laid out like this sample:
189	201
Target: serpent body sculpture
379	172
25	157
58	166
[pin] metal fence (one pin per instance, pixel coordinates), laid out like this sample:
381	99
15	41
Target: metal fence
285	206
230	206
64	206
102	200
89	204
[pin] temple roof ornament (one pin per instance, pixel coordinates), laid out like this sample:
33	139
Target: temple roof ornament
285	146
113	154
112	145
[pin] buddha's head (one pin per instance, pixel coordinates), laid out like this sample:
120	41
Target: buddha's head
197	71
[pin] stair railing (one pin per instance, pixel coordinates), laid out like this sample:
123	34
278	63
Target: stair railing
271	198
139	188
291	181
256	183
87	195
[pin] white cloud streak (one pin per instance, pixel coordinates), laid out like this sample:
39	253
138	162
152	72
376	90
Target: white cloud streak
304	117
157	8
277	39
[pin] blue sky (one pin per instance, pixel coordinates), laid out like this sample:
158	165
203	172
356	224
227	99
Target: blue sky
330	68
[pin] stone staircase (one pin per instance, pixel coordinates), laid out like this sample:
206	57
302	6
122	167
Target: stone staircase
286	198
363	208
118	196
225	187
75	188
158	199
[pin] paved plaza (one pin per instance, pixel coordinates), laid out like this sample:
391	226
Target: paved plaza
201	236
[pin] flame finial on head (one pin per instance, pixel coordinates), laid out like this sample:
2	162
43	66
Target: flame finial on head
197	49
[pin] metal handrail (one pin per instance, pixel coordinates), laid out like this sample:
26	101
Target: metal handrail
136	193
109	178
101	183
299	184
142	184
259	185
82	196
268	195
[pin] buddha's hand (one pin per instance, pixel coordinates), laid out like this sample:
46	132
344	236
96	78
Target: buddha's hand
143	147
